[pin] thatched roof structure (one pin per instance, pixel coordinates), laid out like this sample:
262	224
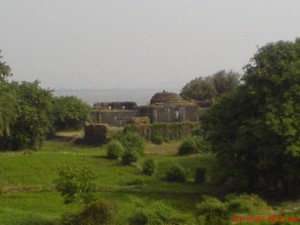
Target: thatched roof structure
168	98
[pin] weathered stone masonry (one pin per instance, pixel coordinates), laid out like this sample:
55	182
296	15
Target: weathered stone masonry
164	107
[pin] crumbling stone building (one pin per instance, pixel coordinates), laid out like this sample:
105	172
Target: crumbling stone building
164	107
169	107
115	114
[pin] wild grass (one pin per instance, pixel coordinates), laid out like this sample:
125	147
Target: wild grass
28	190
29	195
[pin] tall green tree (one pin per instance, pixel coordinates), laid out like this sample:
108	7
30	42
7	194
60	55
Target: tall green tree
7	103
254	130
33	120
8	109
70	112
210	87
5	70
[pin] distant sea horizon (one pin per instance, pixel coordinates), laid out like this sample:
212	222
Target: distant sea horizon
91	96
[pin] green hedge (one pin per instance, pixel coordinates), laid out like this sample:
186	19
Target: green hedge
168	131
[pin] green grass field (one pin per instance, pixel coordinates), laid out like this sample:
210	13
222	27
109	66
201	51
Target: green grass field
28	190
29	195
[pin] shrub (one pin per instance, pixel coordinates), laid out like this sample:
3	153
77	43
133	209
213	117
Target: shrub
99	213
213	212
157	139
96	213
114	149
158	213
200	175
132	141
176	174
129	157
149	167
188	146
245	203
76	184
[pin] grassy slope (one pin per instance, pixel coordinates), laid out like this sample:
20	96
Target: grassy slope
29	196
26	178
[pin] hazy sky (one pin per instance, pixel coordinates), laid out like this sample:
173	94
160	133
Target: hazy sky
137	43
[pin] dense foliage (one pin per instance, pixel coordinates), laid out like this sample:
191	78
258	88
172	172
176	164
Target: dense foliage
76	184
158	213
28	112
176	173
33	116
8	109
5	70
157	138
114	149
7	104
254	130
70	112
96	213
213	211
162	131
189	145
208	88
149	166
133	142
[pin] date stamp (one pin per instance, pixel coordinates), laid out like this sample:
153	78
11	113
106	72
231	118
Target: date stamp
261	219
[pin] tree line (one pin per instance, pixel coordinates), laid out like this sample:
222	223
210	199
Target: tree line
28	112
254	126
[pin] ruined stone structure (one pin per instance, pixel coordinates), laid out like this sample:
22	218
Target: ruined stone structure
164	107
95	134
169	107
114	113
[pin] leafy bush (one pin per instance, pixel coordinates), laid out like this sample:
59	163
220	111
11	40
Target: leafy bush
251	204
200	175
176	174
133	142
129	157
158	213
76	184
149	167
157	139
213	212
114	149
188	146
96	213
134	147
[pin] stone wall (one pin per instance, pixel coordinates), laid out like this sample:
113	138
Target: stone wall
168	131
115	106
170	113
117	118
95	134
